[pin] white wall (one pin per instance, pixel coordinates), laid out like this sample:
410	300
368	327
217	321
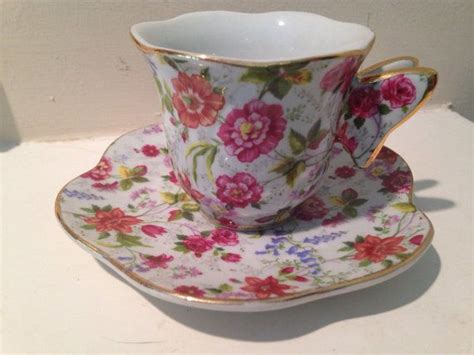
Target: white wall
69	68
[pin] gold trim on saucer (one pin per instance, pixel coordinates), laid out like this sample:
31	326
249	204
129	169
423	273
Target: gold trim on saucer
206	300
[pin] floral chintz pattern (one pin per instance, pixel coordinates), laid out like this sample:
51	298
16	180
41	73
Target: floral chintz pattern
268	131
361	222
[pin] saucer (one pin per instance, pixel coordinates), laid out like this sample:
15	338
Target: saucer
130	214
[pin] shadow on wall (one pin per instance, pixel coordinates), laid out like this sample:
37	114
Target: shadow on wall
9	136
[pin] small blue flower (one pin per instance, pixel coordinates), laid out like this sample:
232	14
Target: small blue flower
292	250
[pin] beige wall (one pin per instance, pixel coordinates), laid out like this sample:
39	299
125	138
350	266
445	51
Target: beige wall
69	69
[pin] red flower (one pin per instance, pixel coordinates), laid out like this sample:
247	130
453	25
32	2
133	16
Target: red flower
349	143
376	249
254	130
340	75
287	270
387	155
115	219
300	278
154	262
223	236
364	101
399	90
153	231
239	190
198	244
106	186
150	150
345	172
398	181
186	185
334	221
264	288
101	170
172	177
194	99
311	208
231	257
190	291
417	239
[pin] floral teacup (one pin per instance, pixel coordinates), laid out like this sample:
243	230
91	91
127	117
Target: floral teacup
253	104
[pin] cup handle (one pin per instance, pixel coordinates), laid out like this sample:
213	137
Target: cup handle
381	98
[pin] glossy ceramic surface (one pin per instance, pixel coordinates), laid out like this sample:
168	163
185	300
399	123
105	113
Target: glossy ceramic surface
130	212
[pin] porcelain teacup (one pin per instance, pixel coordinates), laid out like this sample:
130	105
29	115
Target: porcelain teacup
253	104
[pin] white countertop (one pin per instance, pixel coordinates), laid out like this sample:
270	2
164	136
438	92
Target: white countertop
57	298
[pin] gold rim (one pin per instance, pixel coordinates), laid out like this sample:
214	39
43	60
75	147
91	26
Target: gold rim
247	63
232	301
379	65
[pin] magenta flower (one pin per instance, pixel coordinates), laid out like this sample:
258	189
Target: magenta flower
231	257
399	90
398	181
254	130
153	231
223	236
198	244
101	171
154	262
339	76
364	101
239	190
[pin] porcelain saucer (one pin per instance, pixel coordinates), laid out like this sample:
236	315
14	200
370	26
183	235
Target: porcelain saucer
130	214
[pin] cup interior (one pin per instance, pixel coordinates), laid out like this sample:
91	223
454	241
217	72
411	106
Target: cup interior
271	36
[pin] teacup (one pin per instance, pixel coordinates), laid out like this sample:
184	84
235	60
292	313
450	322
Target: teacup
253	104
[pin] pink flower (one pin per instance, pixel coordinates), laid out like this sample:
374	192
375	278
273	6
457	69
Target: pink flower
334	221
106	186
364	101
154	262
186	185
417	239
150	150
115	219
399	90
194	99
254	130
223	236
350	143
101	170
311	208
152	230
198	244
231	257
239	190
345	172
387	155
172	178
189	291
398	181
340	76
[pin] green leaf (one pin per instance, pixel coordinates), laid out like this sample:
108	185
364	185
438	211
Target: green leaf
88	210
104	235
95	208
291	68
365	263
384	109
314	130
214	290
359	239
350	244
405	207
132	207
139	179
88	226
345	249
296	171
181	236
405	109
280	87
169	197
256	205
168	104
225	287
359	122
158	85
181	248
126	184
171	62
350	211
205	74
190	207
297	142
195	157
256	75
218	90
403	256
206	233
387	263
129	240
107	208
191	147
164	150
188	215
378	229
283	166
349	194
209	161
357	202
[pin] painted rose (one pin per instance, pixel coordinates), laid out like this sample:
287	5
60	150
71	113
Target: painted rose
115	219
101	171
377	169
264	288
340	76
152	230
387	155
231	257
194	99
198	244
350	143
398	181
112	186
311	208
224	237
364	101
345	172
150	150
399	90
186	185
172	177
159	261
376	249
254	130
190	291
239	190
